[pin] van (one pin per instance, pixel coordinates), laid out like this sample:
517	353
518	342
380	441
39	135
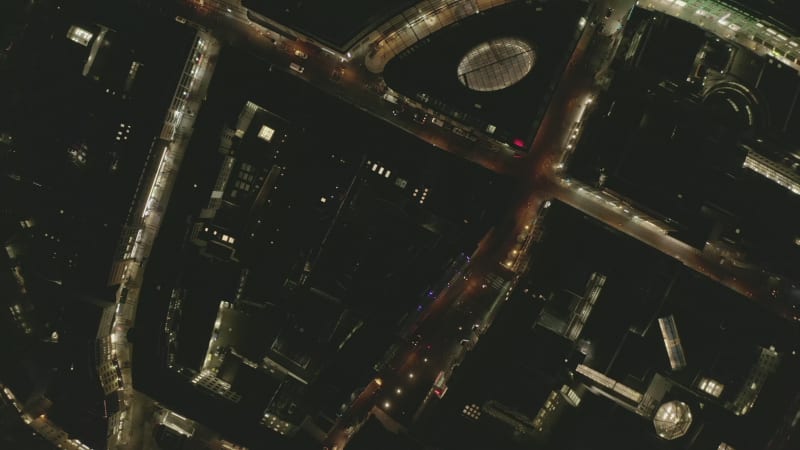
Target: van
390	98
296	67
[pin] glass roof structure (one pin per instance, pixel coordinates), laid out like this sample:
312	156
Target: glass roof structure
672	420
79	35
496	64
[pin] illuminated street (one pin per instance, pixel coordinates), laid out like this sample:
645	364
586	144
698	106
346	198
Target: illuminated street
733	25
499	255
291	307
355	84
168	151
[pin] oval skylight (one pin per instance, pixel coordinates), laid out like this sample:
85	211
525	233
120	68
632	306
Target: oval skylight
496	64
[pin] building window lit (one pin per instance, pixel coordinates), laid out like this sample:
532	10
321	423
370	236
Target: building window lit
772	171
266	133
710	387
472	411
79	35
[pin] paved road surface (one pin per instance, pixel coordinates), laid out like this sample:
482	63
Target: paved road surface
502	251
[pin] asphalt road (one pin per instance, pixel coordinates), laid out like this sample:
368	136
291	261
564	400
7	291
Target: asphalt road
348	80
467	301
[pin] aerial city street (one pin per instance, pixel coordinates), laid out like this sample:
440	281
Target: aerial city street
400	224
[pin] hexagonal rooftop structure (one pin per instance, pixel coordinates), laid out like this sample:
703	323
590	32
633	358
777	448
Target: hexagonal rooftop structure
672	420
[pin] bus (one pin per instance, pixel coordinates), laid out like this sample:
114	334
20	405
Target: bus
439	386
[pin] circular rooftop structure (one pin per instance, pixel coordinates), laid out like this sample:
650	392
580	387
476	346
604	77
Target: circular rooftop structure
672	420
496	64
734	105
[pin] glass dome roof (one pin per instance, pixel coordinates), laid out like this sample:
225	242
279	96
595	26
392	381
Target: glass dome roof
672	420
496	64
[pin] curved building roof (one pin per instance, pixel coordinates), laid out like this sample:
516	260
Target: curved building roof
672	420
496	64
